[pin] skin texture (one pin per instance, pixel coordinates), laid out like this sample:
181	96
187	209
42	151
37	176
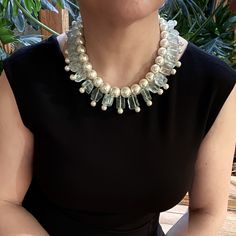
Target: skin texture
118	33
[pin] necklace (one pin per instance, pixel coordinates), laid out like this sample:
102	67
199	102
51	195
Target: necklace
154	82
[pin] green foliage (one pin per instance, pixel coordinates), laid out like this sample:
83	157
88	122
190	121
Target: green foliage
206	25
200	22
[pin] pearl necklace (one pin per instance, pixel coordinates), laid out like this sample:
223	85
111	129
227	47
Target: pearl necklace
155	80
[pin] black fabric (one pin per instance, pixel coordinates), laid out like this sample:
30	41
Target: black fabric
98	173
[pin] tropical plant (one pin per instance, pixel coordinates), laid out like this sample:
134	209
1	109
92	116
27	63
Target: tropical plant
202	22
206	24
15	15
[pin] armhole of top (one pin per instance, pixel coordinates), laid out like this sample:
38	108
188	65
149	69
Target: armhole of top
223	88
17	86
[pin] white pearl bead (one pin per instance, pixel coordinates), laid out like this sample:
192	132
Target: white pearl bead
67	60
82	89
93	103
66	52
74	22
120	110
166	86
80	41
79	32
83	57
160	91
164	27
162	20
173	71
92	74
98	82
125	92
87	66
161	51
105	88
67	68
149	76
155	68
164	43
159	60
149	103
72	77
178	64
164	34
135	88
81	49
115	92
104	108
137	109
143	83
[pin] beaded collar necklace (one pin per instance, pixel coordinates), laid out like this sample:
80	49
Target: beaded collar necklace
154	82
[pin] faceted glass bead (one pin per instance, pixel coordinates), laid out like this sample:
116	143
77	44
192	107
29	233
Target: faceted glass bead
173	52
120	102
170	59
88	85
107	100
165	70
153	87
160	80
169	64
133	102
146	95
80	76
74	66
73	56
96	95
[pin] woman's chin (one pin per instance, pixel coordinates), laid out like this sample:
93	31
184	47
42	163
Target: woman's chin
122	11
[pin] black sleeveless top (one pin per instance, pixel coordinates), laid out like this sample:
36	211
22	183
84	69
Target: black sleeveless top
99	173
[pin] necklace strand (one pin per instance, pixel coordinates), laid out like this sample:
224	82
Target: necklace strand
155	80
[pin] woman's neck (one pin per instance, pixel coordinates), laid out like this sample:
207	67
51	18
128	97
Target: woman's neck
121	55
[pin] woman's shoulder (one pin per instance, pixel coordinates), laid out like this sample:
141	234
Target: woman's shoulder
33	53
206	64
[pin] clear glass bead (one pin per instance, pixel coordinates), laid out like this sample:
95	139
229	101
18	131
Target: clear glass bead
120	102
107	100
165	70
80	76
88	85
96	95
153	88
74	66
133	102
146	95
160	80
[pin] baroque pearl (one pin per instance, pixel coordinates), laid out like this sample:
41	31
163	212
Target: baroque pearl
149	76
87	66
159	60
92	74
93	103
105	88
98	81
67	68
115	92
161	51
83	57
125	92
81	49
164	43
155	68
135	88
143	83
149	103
